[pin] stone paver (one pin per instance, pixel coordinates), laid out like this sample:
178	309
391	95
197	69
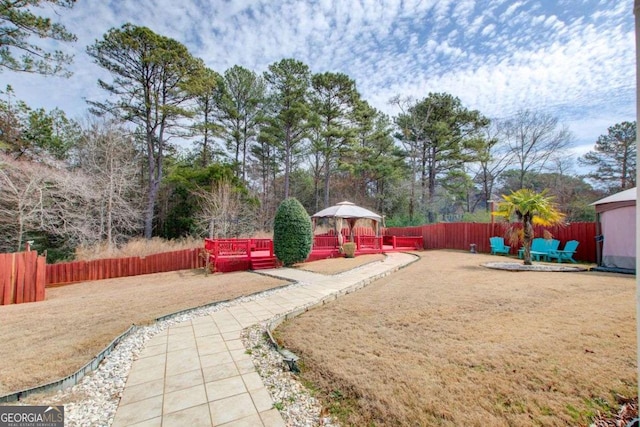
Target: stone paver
198	373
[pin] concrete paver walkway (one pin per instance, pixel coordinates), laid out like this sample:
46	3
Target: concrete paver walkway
197	372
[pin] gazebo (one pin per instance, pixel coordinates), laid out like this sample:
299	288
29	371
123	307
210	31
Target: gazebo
350	213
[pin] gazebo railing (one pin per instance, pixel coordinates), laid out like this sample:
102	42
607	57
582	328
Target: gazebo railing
368	243
325	242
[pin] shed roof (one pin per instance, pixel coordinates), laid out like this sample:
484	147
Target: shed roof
623	196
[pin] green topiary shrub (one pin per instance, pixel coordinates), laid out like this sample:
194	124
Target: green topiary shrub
292	232
349	249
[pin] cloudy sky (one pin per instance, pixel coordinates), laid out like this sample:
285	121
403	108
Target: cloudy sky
574	59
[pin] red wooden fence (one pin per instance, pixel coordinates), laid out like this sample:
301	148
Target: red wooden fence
460	235
22	277
80	271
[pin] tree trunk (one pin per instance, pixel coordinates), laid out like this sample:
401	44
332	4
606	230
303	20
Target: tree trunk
20	233
327	179
432	184
154	185
287	169
527	237
623	183
155	178
244	151
205	142
109	215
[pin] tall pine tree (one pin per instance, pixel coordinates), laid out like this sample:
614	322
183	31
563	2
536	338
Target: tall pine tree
614	157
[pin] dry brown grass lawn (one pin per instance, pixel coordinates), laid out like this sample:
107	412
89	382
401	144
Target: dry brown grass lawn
339	265
446	342
45	341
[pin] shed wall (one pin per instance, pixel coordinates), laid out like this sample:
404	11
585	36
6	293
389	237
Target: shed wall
619	231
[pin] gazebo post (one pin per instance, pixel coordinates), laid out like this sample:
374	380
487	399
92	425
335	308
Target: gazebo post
352	223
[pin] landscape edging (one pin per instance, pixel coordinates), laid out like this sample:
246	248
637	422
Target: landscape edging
72	379
93	364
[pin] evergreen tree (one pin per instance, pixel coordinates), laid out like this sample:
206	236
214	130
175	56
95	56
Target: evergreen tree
286	116
206	88
614	158
18	24
35	134
292	232
375	162
443	136
334	99
239	103
151	77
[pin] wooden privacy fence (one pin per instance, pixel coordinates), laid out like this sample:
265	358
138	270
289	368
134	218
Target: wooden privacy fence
460	235
80	271
22	277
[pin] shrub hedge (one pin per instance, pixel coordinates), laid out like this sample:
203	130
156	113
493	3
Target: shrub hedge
292	232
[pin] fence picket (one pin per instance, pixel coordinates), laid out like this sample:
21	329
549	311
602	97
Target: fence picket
19	278
12	278
31	259
4	278
41	278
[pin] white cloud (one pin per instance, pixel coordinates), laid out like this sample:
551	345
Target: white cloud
497	56
488	30
511	9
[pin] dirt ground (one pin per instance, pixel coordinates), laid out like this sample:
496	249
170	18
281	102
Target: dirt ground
45	341
447	342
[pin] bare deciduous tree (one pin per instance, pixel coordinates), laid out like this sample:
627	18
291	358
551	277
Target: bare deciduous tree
92	203
22	189
222	211
107	154
534	138
39	198
494	158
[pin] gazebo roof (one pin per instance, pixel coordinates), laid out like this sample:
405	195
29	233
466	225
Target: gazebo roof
347	210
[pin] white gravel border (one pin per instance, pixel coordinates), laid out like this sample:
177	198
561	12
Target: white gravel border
519	266
94	400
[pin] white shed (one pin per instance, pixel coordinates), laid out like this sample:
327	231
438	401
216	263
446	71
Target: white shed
616	222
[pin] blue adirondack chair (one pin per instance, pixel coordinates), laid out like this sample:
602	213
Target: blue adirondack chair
540	248
497	246
565	254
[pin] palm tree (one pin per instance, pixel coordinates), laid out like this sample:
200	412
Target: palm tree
530	208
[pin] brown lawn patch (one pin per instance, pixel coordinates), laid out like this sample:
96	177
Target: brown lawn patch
339	265
448	342
45	341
